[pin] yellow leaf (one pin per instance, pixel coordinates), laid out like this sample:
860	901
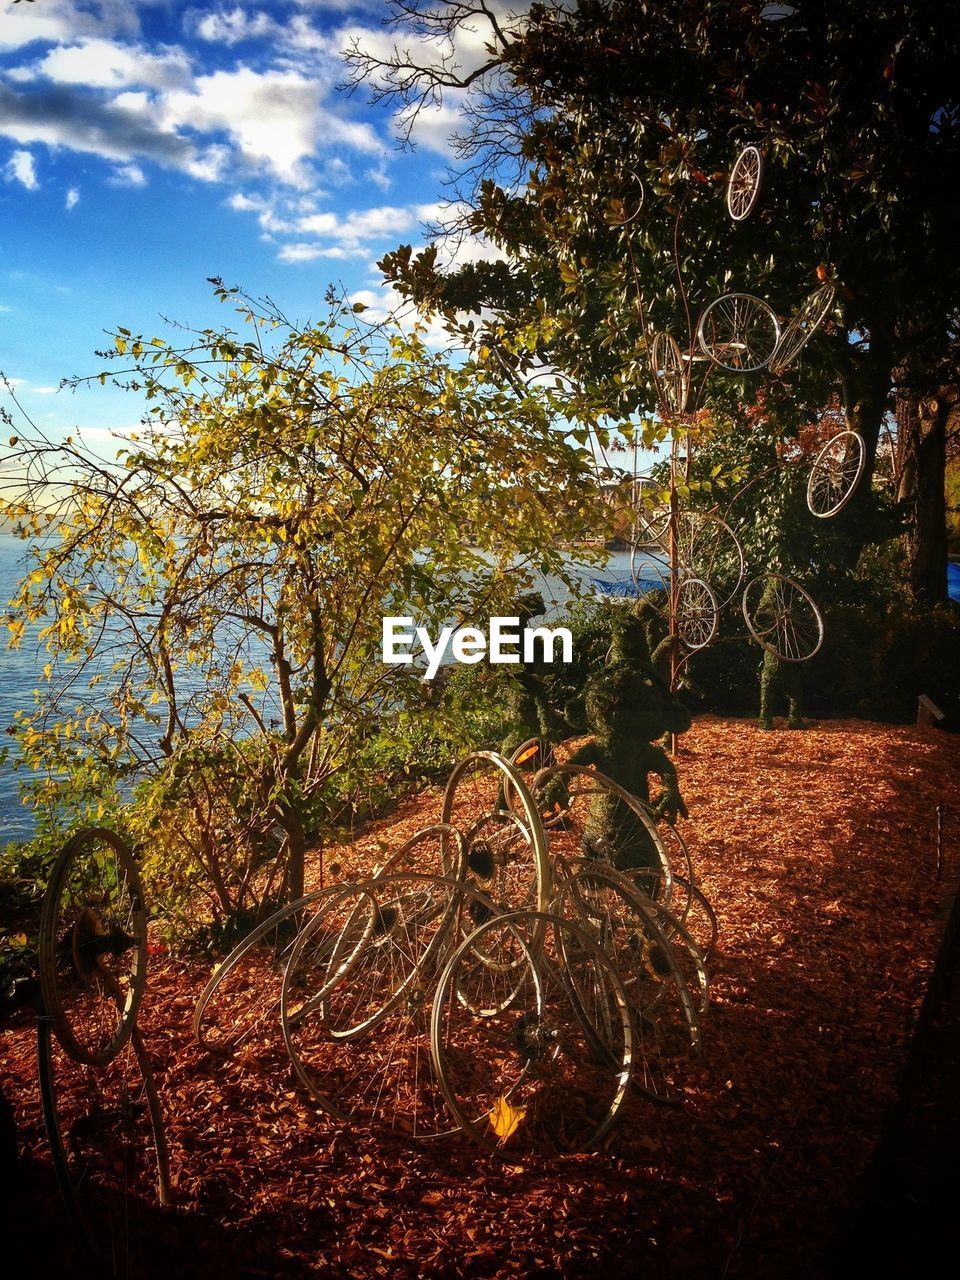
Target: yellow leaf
504	1119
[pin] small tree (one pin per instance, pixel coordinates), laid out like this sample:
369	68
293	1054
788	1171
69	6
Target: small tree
212	599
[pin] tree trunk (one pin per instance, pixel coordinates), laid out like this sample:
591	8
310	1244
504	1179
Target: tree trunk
922	429
296	842
866	393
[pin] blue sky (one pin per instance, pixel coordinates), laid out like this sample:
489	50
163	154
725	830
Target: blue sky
148	144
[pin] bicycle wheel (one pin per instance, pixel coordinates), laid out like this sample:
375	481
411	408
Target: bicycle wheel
622	209
739	333
835	474
697	614
247	982
801	328
743	185
707	548
650	572
105	1128
93	945
688	903
588	815
628	926
688	957
651	513
531	1071
436	850
782	617
359	1043
671	377
504	845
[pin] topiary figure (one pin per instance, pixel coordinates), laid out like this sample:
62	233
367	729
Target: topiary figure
529	707
628	707
779	679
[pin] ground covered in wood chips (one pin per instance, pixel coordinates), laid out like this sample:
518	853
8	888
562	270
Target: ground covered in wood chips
819	852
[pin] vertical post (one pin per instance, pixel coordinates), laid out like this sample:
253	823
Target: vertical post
939	841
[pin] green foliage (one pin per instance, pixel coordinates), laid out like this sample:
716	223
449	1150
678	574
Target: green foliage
212	599
878	656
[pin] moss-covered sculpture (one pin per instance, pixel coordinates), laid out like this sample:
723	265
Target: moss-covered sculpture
529	707
629	707
779	679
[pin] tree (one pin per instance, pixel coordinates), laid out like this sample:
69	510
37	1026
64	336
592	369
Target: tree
212	600
857	110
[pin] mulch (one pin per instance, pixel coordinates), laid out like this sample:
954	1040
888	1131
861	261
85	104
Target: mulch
819	852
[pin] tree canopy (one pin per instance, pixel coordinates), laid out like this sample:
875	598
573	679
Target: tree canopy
212	600
857	112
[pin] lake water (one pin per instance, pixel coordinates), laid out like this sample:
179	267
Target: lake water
20	669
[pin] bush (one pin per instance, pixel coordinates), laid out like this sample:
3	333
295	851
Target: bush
875	661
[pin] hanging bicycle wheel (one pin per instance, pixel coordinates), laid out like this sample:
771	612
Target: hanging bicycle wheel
670	373
105	1128
707	548
504	845
801	328
835	474
622	209
697	613
516	1045
782	617
650	572
743	185
651	513
739	333
93	945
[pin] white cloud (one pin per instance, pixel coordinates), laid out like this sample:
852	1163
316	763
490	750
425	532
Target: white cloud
433	127
20	168
102	64
386	304
73	197
377	174
242	203
127	175
58	21
232	26
301	252
274	118
44	391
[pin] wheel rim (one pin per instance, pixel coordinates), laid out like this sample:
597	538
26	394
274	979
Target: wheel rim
530	1073
835	474
783	618
93	945
739	333
505	848
801	328
743	185
105	1128
590	816
708	549
629	928
670	374
697	614
363	1050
